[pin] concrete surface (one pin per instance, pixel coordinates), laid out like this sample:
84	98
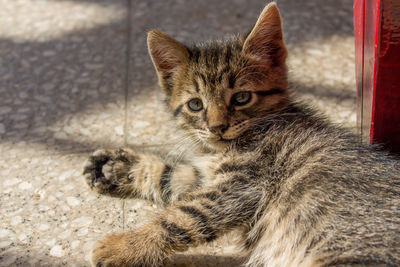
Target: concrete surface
75	76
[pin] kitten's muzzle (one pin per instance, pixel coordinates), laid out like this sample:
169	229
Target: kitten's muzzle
219	129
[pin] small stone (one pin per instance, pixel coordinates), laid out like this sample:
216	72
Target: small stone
353	118
36	196
22	237
65	208
8	260
65	175
44	227
49	53
43	99
69	130
60	135
12	214
119	130
44	208
22	95
141	124
314	52
5	110
2	128
5	244
72	201
75	244
25	186
20	126
39	130
5	173
93	66
16	220
82	232
57	251
51	242
69	187
40	193
4	233
84	131
11	182
65	234
137	206
82	221
103	115
18	117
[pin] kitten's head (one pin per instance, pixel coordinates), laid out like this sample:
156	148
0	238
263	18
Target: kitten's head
218	90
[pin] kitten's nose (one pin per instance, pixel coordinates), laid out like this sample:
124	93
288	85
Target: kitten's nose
219	129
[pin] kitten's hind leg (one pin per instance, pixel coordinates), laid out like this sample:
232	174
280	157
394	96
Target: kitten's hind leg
126	174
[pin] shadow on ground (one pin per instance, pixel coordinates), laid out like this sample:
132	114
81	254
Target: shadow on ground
204	260
179	260
47	82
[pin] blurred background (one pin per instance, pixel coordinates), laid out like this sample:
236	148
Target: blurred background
75	76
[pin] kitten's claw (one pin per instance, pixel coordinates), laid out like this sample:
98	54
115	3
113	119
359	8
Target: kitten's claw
107	169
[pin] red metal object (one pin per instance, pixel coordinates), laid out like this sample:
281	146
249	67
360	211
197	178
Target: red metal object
377	51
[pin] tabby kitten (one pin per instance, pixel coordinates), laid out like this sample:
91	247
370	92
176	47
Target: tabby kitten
302	191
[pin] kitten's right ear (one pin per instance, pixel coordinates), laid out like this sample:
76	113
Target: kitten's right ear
265	41
167	55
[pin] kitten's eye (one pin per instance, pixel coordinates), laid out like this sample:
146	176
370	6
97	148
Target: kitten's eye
241	98
195	104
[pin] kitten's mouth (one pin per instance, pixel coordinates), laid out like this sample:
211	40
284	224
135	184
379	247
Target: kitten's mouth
222	142
217	142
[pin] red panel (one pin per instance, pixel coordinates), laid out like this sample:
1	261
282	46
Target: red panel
386	116
377	44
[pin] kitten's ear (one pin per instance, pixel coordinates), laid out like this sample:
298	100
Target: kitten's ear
167	55
265	41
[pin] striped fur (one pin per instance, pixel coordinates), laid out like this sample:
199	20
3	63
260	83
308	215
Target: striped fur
303	191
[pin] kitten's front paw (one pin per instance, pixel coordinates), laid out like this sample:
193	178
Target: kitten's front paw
108	170
126	249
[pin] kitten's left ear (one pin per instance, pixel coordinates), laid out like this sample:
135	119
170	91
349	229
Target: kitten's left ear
167	55
265	41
